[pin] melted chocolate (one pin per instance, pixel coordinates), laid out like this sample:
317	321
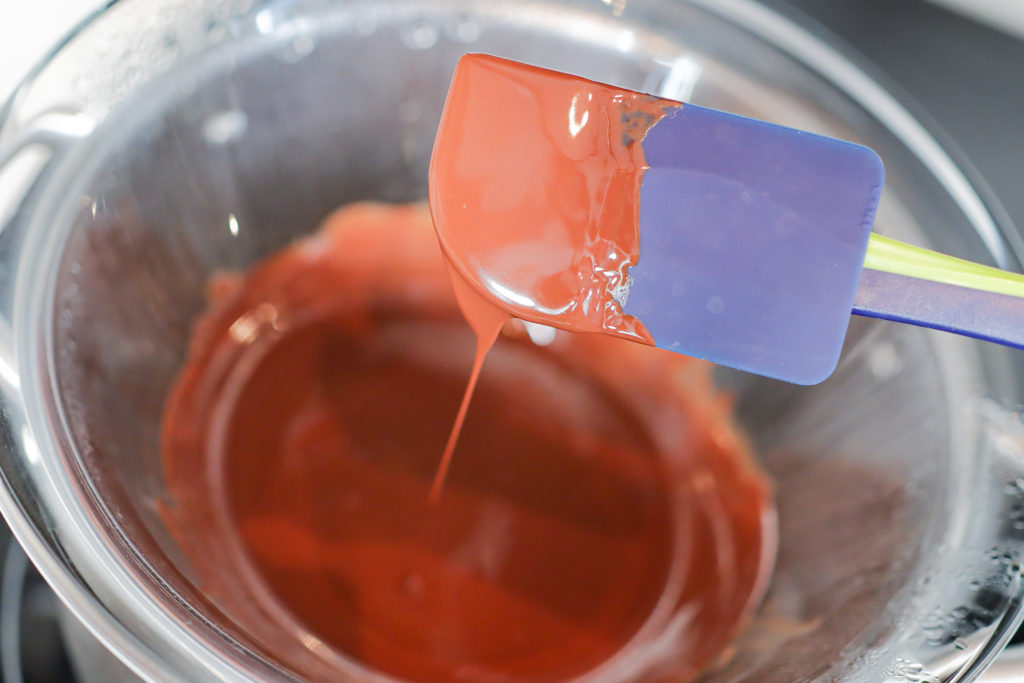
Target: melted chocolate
602	516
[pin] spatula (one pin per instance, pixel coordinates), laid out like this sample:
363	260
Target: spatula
755	240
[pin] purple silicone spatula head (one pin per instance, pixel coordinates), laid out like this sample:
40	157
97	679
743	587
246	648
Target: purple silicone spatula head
719	236
752	240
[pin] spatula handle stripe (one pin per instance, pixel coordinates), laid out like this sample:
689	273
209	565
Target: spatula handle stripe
891	256
913	285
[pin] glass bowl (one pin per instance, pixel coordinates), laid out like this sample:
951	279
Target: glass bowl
166	140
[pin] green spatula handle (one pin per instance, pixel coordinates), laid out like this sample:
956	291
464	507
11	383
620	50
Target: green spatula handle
914	285
891	256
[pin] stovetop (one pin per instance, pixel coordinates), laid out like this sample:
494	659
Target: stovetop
31	645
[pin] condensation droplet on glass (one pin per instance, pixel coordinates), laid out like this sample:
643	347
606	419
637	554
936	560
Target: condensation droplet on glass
303	44
884	360
365	24
265	21
298	48
225	126
420	36
410	111
410	148
216	31
467	31
171	43
1005	443
625	40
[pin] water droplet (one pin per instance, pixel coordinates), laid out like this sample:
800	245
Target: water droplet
365	24
410	147
1016	516
410	111
467	31
171	43
625	40
216	31
265	21
960	644
225	126
420	36
1007	444
883	360
298	49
